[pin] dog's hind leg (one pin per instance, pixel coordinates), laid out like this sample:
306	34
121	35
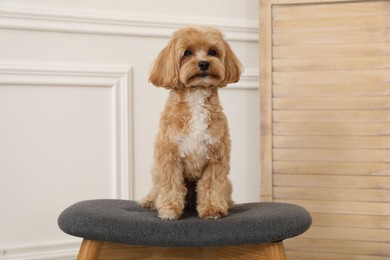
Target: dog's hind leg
148	201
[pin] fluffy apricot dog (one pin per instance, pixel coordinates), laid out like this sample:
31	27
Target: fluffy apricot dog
192	148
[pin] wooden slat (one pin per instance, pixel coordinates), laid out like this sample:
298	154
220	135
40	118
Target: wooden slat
315	129
331	124
265	251
332	103
331	116
332	64
328	142
331	90
336	246
346	9
331	23
332	181
266	103
328	51
332	168
339	220
352	234
347	76
121	251
331	37
367	195
332	155
299	255
342	207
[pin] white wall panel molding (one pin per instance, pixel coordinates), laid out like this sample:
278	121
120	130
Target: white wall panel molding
76	75
249	81
79	117
79	21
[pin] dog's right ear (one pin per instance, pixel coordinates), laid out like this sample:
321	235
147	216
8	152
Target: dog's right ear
165	70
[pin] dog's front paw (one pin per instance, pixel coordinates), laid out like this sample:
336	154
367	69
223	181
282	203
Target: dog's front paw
212	213
213	216
169	213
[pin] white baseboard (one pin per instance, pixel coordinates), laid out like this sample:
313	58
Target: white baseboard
48	251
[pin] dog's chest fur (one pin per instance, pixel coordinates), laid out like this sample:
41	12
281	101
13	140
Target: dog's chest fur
195	140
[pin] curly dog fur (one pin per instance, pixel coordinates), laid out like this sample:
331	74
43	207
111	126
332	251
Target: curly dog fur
192	148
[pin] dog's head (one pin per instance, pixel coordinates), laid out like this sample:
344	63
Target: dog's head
196	57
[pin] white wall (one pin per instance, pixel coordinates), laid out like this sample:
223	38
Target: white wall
77	114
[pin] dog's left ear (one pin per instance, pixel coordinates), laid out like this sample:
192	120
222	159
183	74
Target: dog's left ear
165	70
233	66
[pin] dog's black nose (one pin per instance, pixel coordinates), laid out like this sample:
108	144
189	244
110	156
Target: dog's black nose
203	65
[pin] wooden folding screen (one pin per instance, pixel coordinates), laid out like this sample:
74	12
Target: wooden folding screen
325	122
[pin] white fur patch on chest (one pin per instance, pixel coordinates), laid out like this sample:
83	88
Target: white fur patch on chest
197	140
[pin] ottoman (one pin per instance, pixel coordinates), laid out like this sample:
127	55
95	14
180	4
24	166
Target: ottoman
123	229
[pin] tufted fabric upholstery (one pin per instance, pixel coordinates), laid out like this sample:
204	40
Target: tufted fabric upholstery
123	221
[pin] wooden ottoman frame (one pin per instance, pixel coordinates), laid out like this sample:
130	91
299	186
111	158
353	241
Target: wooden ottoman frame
91	249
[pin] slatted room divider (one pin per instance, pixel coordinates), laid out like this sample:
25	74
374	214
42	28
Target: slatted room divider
325	122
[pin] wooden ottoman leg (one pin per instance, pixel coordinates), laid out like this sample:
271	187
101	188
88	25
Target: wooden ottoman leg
275	251
89	250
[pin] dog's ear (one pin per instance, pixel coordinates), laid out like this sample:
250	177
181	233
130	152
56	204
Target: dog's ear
233	66
165	70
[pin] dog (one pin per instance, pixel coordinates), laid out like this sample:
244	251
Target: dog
192	147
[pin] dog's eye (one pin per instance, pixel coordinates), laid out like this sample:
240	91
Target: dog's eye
212	53
187	53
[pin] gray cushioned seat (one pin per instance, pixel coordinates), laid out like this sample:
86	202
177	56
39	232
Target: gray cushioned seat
123	221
